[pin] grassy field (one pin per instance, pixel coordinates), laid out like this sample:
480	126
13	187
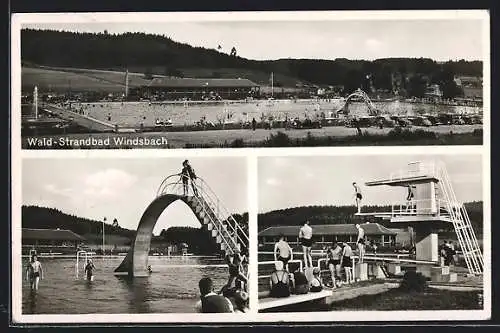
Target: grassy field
64	79
327	136
61	79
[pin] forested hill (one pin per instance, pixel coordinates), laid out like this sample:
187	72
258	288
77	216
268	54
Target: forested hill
51	218
344	214
155	54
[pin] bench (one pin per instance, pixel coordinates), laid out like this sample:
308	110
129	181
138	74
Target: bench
271	302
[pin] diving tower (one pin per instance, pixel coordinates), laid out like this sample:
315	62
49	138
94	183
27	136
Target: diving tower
430	204
205	205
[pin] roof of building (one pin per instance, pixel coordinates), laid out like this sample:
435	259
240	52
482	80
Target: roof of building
169	82
51	234
329	229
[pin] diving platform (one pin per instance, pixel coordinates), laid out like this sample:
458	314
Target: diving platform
268	303
404	181
427	205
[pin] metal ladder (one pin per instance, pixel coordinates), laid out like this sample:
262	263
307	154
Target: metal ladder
210	211
461	222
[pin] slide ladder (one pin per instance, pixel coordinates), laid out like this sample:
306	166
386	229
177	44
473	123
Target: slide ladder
462	224
213	215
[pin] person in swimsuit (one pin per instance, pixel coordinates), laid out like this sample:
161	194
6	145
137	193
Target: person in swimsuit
316	283
34	272
409	198
234	263
300	284
358	196
333	255
346	261
361	243
188	174
279	282
305	239
89	270
283	252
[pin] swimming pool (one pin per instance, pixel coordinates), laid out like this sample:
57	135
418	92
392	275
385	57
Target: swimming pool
171	288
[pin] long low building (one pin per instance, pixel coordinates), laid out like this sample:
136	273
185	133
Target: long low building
324	235
168	88
50	240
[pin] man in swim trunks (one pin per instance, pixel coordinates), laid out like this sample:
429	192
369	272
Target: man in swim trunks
283	252
305	239
346	261
34	272
360	242
358	196
409	198
333	255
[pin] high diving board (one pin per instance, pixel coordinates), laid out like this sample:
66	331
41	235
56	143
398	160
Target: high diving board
271	302
404	181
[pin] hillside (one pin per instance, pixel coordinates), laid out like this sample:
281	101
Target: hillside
155	54
198	239
344	214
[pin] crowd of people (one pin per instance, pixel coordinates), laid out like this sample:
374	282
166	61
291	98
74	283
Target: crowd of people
283	282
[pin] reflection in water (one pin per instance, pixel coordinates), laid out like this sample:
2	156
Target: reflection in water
171	288
138	289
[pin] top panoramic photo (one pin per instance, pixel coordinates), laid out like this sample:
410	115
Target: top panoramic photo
238	80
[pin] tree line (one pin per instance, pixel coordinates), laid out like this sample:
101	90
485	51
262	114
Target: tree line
199	240
158	54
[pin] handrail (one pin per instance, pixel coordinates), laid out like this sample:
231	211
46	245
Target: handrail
219	228
220	206
211	200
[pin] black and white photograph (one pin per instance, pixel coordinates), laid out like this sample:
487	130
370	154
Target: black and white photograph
371	233
250	167
133	236
232	80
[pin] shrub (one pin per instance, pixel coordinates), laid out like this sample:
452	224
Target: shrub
279	139
478	132
238	143
413	281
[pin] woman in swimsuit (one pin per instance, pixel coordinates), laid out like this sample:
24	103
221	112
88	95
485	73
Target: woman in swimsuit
279	281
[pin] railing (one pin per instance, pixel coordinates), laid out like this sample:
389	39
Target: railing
199	188
432	207
416	169
463	227
273	262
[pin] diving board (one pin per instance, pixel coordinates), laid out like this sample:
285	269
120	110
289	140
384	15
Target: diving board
271	302
404	181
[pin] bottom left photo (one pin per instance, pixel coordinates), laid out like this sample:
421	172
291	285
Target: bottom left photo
133	235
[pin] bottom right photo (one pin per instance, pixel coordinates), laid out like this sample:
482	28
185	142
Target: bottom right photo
373	232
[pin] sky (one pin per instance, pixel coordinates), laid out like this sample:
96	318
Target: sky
438	39
286	182
123	188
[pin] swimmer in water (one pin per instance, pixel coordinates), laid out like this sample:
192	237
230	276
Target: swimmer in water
34	272
89	270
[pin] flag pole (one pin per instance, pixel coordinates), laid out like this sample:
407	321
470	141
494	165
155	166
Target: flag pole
272	84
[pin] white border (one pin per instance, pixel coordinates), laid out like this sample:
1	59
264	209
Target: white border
252	155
